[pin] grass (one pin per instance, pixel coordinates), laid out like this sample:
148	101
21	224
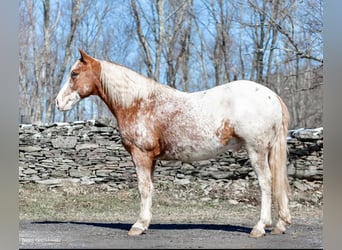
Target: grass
75	202
96	202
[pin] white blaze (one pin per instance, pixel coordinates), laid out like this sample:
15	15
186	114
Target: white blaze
67	98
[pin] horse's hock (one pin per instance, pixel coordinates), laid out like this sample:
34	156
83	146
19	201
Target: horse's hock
91	152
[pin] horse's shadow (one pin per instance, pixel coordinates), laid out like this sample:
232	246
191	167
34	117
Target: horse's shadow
160	226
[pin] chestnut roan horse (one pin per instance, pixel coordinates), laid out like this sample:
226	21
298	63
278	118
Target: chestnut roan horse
157	122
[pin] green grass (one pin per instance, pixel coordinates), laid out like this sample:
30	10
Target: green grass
96	202
75	202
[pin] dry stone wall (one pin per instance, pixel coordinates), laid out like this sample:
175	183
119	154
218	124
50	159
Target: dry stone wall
91	152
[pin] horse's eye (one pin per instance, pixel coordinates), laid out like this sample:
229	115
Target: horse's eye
74	75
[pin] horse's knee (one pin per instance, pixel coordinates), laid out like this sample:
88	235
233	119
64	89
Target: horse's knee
145	189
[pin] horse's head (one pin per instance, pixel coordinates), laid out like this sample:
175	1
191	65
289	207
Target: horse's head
83	79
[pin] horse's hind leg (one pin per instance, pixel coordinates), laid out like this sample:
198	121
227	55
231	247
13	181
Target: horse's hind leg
259	161
144	169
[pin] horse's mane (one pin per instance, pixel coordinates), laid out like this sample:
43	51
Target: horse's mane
123	85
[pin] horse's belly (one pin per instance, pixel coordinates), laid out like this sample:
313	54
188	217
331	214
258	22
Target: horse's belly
198	150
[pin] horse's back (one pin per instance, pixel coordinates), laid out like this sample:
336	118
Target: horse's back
249	107
248	91
254	99
241	100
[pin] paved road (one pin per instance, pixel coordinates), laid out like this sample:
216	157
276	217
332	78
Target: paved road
83	235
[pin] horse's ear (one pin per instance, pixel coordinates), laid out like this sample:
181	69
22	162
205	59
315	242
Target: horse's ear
84	57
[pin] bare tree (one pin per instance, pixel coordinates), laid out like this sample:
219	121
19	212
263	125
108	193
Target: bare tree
188	44
169	39
222	44
48	58
143	40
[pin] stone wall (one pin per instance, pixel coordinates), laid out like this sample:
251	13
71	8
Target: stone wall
91	152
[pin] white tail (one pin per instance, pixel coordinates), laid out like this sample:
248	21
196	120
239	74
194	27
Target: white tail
277	161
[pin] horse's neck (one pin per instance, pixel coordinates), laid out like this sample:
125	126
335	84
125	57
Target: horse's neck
122	85
123	88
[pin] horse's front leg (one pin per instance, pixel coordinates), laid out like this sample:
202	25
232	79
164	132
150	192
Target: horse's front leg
144	165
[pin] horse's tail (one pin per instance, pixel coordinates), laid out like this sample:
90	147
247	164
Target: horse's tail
277	161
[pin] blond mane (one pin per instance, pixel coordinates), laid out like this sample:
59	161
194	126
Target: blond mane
125	86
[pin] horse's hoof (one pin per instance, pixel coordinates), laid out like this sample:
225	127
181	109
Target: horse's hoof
134	231
256	233
277	230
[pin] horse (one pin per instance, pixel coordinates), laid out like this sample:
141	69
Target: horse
158	122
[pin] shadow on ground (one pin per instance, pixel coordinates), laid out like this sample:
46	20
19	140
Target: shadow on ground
161	226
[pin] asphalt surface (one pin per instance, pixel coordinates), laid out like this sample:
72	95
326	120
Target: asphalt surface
84	235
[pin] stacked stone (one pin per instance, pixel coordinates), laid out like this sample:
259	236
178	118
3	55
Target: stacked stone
306	154
91	152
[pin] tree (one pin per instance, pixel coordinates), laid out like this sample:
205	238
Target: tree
169	40
190	45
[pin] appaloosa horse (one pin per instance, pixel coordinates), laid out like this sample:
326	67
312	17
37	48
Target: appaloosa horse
157	122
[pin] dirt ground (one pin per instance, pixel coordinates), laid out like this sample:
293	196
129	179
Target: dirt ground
79	218
82	235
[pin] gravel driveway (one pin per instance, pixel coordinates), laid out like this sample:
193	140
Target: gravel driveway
81	235
79	217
